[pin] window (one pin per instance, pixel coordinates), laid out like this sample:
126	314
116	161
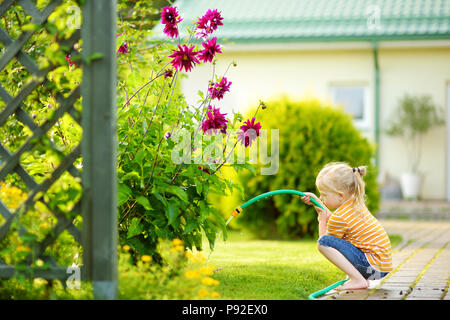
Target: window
355	100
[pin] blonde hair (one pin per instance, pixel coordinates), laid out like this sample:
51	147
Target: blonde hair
340	177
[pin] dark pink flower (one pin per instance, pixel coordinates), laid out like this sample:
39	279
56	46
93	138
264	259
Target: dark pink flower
250	131
168	73
170	17
208	23
123	48
204	169
214	120
69	60
210	49
218	89
184	57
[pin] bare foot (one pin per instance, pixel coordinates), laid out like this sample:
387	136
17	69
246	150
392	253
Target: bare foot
354	285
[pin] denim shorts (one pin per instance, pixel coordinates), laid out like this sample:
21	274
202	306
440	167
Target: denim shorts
356	257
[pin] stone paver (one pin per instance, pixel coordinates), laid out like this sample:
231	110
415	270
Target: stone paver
421	264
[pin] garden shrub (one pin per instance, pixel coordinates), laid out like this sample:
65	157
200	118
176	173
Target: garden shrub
184	275
311	134
159	198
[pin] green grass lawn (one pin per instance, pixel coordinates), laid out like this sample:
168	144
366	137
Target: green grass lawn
271	269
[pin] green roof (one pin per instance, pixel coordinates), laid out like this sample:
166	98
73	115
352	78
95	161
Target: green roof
321	20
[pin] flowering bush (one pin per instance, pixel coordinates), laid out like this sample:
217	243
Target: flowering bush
182	275
158	196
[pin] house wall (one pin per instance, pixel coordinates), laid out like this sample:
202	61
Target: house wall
415	71
263	74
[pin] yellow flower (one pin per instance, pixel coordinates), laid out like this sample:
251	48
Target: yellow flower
21	248
206	270
192	274
177	248
198	257
126	248
215	294
146	258
203	293
177	242
39	262
201	257
210	281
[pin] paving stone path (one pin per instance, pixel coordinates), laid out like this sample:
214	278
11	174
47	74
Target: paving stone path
421	264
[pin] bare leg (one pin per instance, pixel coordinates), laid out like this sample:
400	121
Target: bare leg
357	281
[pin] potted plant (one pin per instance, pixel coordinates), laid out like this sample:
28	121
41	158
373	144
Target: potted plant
414	116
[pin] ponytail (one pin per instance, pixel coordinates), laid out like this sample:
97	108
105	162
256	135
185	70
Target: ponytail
359	188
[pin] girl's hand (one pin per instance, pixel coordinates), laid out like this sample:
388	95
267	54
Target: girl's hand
307	198
321	214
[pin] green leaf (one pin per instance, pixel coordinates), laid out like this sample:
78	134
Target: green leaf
94	56
210	232
172	212
143	201
160	198
130	175
190	225
30	27
135	228
140	156
250	168
123	194
198	186
178	191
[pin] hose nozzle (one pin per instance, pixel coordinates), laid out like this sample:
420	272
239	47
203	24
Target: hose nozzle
236	211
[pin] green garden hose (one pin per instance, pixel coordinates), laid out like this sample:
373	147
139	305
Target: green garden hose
235	213
239	209
317	294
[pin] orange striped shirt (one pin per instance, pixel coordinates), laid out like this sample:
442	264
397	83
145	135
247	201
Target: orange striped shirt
365	232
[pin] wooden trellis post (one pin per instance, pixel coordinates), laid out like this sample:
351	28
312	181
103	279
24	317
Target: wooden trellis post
99	147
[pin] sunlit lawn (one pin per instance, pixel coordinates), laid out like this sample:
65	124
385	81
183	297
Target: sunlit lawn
271	269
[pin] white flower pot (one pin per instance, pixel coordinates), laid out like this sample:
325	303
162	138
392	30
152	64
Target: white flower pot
410	183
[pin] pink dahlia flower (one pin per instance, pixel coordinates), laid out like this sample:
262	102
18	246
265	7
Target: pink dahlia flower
250	131
69	59
123	48
168	73
184	57
204	170
208	23
170	17
218	89
215	120
210	49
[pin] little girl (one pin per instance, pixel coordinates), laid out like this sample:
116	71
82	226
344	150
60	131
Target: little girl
350	237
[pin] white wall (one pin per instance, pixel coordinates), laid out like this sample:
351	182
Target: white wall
415	71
